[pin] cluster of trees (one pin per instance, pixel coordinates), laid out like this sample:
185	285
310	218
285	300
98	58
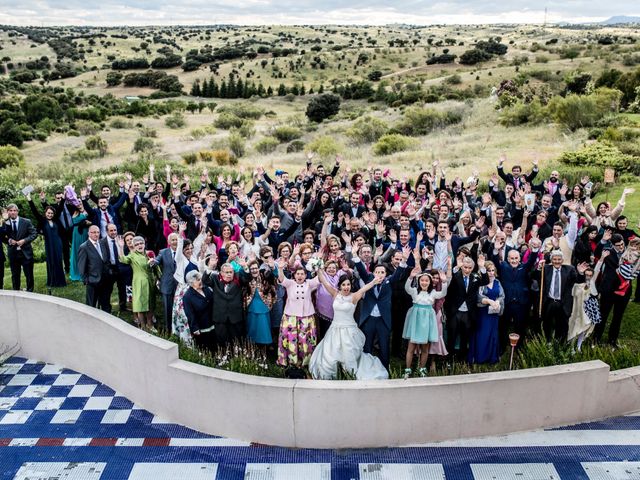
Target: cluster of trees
234	87
130	64
151	79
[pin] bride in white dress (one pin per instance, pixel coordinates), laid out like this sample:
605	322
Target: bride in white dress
344	340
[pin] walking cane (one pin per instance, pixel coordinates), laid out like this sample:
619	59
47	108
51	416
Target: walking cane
541	290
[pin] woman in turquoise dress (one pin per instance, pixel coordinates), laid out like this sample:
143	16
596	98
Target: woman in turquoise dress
143	281
484	345
258	299
78	237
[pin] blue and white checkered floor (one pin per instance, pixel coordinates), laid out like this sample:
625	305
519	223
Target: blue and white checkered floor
57	424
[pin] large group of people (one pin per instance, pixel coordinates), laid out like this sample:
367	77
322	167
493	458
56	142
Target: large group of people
332	269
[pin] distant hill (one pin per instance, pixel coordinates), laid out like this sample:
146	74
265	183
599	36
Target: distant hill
620	19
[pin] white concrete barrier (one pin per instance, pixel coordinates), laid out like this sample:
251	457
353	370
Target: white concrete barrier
304	413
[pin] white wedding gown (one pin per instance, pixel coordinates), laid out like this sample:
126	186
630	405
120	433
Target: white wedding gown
343	344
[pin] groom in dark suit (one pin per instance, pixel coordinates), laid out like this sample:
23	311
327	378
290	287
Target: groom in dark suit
461	304
375	311
19	233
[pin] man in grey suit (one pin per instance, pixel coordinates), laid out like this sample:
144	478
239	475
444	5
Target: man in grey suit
19	233
92	268
166	259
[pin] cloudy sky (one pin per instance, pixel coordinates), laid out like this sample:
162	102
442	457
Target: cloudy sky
256	12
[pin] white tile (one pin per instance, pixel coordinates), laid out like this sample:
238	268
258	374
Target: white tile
16	416
98	403
612	470
545	438
288	471
514	471
82	390
159	419
393	471
130	442
66	379
60	471
174	471
76	442
50	403
23	442
51	369
116	416
66	416
33	391
10	368
21	380
7	402
207	442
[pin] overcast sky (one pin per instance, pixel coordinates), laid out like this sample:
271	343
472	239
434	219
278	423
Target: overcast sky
257	12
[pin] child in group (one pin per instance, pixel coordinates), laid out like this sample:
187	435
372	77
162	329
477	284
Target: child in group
420	326
629	265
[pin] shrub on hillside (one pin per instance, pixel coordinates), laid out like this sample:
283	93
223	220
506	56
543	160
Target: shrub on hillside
421	121
10	156
325	146
471	57
243	110
175	120
285	133
227	120
393	143
143	144
97	144
267	145
323	106
520	113
295	146
236	144
580	111
367	130
601	155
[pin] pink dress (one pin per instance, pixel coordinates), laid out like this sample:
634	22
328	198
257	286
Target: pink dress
438	348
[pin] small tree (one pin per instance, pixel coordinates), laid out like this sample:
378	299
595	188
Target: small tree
97	144
323	106
10	156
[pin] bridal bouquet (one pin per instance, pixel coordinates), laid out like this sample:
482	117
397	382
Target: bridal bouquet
314	264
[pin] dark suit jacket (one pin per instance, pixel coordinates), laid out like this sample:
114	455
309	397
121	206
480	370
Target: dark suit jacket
227	306
197	308
26	231
90	265
515	282
457	295
383	300
2	240
104	246
569	276
509	178
168	284
98	215
609	280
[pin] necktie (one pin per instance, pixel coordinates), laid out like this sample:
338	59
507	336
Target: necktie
556	284
15	228
98	249
466	283
173	253
106	218
197	225
377	290
114	252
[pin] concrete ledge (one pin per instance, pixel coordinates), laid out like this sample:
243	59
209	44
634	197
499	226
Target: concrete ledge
303	413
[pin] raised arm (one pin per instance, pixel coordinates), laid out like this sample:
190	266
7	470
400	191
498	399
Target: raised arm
360	293
325	283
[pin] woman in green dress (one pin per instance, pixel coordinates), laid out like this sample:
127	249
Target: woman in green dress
80	235
143	281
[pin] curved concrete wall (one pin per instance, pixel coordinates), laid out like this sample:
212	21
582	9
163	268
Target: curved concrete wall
303	413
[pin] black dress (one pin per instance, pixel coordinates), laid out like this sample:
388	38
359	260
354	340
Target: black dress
52	249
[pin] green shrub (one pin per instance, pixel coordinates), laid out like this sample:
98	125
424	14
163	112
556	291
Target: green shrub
96	143
601	155
421	121
236	144
295	146
581	111
143	144
325	146
190	158
267	145
367	130
80	155
323	106
227	120
148	132
119	123
393	143
175	120
10	156
454	79
243	110
285	133
197	133
87	127
521	113
246	130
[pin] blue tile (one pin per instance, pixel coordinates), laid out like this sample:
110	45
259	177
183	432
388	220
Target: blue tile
31	368
74	403
121	403
44	379
12	391
86	380
27	403
103	391
59	391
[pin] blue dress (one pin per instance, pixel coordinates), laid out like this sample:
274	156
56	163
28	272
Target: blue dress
258	321
484	346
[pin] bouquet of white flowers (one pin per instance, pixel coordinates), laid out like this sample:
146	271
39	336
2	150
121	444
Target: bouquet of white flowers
314	264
